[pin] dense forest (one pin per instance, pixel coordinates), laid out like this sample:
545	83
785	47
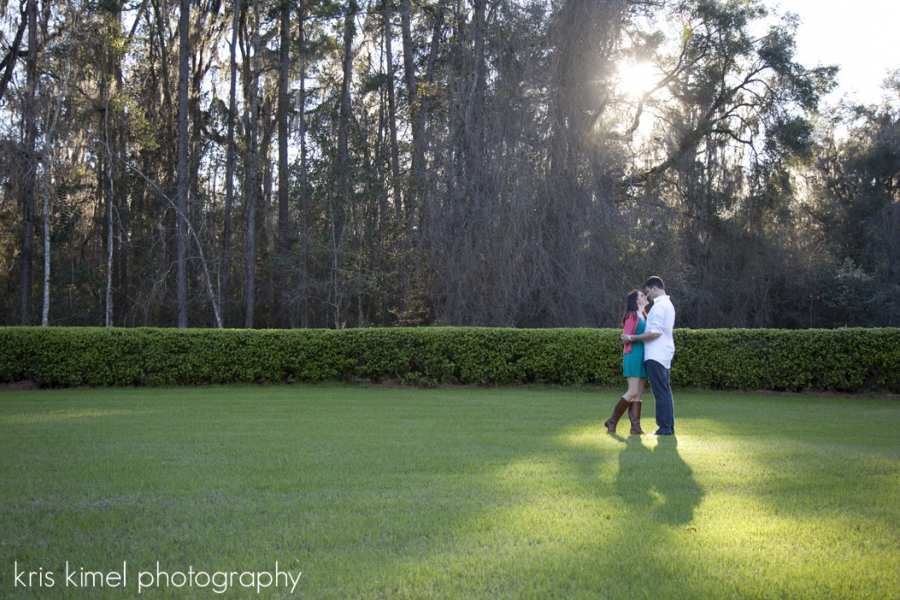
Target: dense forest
514	163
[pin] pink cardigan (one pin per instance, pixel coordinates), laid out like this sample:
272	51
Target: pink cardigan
631	324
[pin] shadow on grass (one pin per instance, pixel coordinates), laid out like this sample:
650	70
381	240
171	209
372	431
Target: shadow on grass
657	480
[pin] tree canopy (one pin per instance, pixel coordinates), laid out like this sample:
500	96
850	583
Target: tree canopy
319	163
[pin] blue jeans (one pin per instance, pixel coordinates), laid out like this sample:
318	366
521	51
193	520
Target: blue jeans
662	394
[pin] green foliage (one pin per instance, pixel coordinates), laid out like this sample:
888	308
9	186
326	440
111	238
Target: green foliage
847	360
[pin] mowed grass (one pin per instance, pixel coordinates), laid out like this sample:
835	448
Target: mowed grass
373	492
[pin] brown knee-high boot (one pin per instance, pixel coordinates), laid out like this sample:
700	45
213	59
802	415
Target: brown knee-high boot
618	411
634	414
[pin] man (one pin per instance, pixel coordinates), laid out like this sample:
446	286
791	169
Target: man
659	348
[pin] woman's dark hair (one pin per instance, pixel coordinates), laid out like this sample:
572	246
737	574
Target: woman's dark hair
631	307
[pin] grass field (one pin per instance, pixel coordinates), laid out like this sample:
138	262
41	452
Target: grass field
371	492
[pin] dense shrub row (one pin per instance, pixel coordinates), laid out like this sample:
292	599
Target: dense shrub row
843	359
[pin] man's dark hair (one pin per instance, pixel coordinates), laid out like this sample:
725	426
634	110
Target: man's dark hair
655	282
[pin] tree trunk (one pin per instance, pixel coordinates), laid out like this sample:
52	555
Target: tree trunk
110	212
284	225
117	204
252	193
45	312
229	165
344	192
184	49
29	117
395	161
46	158
105	197
304	236
412	95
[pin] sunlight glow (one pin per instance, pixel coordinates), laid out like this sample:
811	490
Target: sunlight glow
637	78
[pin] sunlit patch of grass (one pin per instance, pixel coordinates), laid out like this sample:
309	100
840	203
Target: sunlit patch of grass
62	415
455	493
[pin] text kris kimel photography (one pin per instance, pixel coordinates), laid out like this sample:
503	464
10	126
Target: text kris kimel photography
157	576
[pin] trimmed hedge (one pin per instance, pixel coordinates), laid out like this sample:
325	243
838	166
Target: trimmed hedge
843	360
847	360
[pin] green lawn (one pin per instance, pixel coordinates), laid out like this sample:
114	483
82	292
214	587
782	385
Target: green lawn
448	493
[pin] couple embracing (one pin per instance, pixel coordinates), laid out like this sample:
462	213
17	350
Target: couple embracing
647	354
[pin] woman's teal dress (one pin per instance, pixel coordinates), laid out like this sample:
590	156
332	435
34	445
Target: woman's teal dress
633	362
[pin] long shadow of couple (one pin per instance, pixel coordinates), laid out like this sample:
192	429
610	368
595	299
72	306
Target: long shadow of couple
658	481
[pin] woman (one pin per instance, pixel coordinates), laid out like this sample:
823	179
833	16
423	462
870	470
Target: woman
633	322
